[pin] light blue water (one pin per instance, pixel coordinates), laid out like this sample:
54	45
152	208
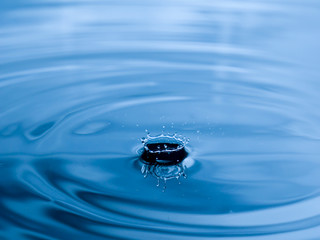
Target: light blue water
81	81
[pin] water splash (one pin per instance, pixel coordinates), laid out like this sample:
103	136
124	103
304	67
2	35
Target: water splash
162	157
164	138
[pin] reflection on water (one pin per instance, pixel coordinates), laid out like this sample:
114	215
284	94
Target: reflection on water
81	81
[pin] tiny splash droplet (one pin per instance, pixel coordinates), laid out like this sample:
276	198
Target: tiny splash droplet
164	184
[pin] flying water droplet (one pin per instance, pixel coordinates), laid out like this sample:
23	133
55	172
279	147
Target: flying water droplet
164	184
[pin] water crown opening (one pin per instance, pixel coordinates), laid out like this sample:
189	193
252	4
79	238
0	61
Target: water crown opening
162	157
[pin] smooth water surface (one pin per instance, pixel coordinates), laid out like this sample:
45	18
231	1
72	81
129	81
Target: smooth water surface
82	81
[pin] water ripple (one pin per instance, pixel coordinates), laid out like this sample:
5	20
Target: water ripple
81	82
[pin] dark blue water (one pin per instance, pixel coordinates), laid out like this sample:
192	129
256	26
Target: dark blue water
82	81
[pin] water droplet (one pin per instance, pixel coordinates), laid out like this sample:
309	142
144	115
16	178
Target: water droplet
147	132
164	184
184	174
178	179
143	169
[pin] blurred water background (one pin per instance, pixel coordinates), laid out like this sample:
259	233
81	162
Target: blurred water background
81	81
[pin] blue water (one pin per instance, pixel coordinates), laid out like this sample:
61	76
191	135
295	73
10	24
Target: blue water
82	81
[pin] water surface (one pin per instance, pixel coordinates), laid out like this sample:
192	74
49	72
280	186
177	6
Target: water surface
82	81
